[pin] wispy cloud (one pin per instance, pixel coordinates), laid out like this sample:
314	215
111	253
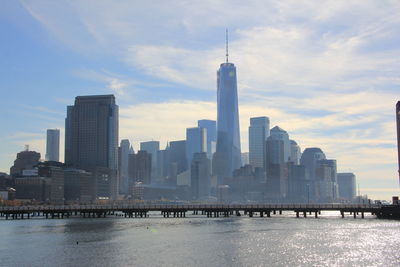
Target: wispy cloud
327	71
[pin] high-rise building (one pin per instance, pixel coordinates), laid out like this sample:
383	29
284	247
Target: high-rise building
152	147
196	141
228	152
309	159
123	164
398	134
91	140
347	185
258	134
245	158
53	145
139	168
211	127
200	175
326	180
278	146
177	156
295	152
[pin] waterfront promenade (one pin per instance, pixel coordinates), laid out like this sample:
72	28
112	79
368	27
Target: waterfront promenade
209	210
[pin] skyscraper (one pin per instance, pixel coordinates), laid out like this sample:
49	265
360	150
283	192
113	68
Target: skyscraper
398	133
211	127
196	141
53	145
123	164
347	185
295	152
152	147
278	146
200	175
228	153
258	133
91	139
177	156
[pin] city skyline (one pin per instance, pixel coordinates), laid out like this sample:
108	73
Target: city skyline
350	120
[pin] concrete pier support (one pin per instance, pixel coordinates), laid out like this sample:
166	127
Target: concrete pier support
297	214
305	214
362	215
268	214
354	215
316	214
280	212
274	212
342	213
261	214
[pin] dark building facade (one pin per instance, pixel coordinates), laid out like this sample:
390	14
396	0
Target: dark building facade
91	139
25	160
139	168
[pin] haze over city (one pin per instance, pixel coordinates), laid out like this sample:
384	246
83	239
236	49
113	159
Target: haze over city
326	73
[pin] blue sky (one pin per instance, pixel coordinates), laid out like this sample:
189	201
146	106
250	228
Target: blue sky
325	71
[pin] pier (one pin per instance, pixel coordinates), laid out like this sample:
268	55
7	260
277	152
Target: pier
207	210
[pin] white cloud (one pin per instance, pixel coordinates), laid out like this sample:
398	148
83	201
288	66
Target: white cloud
327	72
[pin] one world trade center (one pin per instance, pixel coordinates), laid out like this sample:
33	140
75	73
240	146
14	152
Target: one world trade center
228	155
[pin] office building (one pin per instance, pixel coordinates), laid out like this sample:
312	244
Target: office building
177	155
398	134
53	145
196	141
258	134
211	127
91	140
228	152
25	160
200	176
152	147
123	166
139	168
347	185
295	152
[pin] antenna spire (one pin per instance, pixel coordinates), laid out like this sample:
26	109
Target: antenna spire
227	54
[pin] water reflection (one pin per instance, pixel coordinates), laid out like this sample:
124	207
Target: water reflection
200	241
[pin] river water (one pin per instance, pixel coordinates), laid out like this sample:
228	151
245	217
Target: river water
282	240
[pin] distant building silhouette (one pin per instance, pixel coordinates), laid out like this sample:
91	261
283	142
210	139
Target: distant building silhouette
295	152
123	166
53	145
200	175
398	134
152	148
347	185
25	160
326	180
196	141
309	159
140	168
177	156
258	134
211	127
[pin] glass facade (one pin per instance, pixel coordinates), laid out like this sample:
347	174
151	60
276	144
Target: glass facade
228	133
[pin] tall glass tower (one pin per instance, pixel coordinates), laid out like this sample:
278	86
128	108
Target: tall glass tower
228	154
